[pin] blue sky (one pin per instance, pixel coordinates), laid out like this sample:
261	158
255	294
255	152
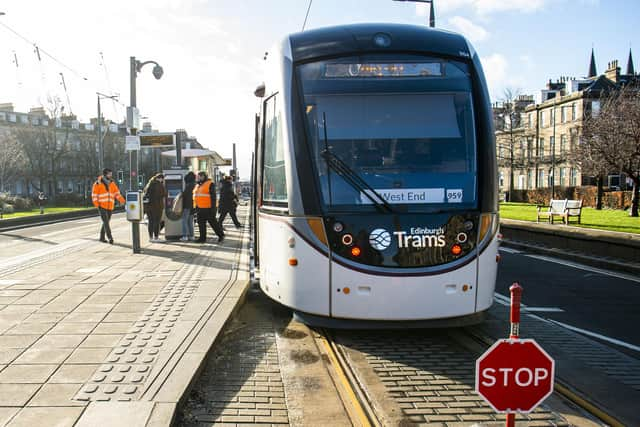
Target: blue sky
211	50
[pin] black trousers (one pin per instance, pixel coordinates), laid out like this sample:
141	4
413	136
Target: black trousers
232	214
208	216
105	216
153	223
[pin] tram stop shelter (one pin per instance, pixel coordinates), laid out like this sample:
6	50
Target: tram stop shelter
197	159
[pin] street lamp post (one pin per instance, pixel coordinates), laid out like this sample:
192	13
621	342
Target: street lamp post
553	153
135	66
432	14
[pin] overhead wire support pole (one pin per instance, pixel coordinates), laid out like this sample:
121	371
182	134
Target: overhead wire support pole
99	128
432	13
306	16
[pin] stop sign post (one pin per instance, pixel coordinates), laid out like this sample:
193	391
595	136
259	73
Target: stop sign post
514	375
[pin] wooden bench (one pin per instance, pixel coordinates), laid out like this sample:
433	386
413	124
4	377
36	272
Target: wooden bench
564	209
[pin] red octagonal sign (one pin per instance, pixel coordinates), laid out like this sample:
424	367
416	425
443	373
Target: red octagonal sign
514	375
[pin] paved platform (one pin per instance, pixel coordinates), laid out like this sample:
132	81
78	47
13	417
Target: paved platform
94	335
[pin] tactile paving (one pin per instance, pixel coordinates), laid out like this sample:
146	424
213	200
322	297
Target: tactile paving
127	368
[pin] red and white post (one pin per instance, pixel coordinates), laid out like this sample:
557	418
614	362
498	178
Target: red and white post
514	333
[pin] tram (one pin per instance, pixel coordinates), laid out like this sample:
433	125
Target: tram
375	193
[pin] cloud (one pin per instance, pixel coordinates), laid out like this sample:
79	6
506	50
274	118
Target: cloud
473	32
484	7
499	76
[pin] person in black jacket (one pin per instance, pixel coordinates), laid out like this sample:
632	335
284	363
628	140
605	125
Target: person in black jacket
156	193
187	207
228	202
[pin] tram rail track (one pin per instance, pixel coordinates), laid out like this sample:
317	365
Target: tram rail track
351	391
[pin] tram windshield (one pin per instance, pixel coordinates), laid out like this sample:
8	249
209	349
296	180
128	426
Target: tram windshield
403	125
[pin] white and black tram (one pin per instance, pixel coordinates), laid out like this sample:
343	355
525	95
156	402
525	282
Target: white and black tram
375	197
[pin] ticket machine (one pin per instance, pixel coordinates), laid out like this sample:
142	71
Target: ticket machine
174	183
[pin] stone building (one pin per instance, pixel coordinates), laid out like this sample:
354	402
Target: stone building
535	140
61	154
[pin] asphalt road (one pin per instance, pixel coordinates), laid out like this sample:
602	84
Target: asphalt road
596	301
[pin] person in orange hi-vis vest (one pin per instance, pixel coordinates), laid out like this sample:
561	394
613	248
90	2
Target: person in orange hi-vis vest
204	199
104	194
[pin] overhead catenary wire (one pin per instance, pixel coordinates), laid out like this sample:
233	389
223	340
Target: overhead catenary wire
40	53
306	16
114	102
40	50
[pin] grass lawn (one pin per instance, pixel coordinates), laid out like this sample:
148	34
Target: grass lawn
605	219
47	210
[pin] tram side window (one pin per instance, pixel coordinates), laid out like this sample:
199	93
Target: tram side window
274	188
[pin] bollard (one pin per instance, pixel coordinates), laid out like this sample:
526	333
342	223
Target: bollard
514	318
516	297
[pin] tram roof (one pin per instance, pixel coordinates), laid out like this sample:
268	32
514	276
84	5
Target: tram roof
355	38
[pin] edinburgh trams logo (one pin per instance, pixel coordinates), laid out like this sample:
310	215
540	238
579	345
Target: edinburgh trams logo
380	239
417	237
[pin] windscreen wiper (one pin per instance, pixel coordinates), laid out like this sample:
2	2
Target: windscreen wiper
352	178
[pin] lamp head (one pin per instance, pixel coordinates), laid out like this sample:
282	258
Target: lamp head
157	72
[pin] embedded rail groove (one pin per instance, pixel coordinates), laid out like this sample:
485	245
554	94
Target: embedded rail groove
351	391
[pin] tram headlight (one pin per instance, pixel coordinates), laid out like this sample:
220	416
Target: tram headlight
488	224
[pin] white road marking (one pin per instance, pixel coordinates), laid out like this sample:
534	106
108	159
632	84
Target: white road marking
20	259
593	334
501	299
506	301
510	250
55	233
586	267
543	309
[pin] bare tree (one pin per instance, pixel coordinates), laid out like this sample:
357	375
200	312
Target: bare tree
612	139
507	123
45	146
12	161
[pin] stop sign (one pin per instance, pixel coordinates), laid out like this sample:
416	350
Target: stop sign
514	375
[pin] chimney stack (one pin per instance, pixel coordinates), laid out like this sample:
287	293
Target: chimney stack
613	71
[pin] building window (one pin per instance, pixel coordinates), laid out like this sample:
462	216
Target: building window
563	115
529	179
541	148
530	120
573	111
595	108
542	121
275	182
563	144
552	116
574	177
501	180
552	145
563	174
530	148
541	179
